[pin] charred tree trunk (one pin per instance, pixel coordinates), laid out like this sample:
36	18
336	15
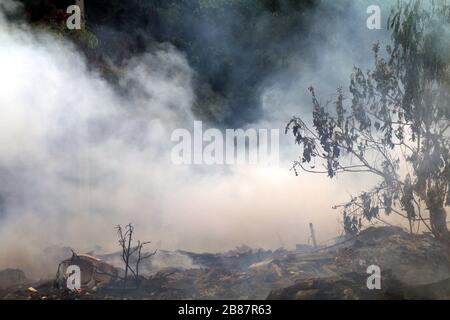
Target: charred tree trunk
438	219
434	198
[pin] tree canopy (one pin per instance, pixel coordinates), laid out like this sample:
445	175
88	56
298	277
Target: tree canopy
231	44
394	124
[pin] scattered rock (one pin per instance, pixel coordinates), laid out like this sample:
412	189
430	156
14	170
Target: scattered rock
32	290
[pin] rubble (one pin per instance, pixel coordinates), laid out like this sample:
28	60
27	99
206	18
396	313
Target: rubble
412	266
301	247
95	273
413	259
32	290
239	259
352	286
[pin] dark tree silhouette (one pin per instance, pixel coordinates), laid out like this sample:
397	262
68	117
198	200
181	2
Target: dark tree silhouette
395	124
130	252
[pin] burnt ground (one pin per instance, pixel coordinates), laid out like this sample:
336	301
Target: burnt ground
412	267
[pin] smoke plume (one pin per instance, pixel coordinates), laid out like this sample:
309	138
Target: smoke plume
79	155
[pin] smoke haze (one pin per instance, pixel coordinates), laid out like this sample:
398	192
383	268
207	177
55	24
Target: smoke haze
79	155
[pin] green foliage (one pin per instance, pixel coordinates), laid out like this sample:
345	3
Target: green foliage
232	45
396	123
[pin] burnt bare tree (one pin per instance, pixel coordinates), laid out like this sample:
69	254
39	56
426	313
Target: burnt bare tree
394	124
130	252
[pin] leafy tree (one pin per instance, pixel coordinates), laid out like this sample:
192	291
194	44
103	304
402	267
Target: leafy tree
394	124
233	45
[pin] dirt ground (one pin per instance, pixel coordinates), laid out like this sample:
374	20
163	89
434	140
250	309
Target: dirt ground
412	267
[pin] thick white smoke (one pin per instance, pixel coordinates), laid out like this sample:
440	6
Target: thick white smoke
79	156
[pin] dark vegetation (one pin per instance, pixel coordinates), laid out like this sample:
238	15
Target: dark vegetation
231	44
132	252
395	124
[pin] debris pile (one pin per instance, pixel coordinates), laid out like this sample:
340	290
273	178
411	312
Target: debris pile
413	259
234	260
352	286
95	273
412	266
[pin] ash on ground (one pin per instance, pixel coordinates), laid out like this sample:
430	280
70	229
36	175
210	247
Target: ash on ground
412	267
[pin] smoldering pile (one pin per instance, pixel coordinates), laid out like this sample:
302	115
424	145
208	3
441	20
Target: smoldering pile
413	266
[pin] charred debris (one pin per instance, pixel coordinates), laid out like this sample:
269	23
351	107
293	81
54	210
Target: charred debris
413	267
